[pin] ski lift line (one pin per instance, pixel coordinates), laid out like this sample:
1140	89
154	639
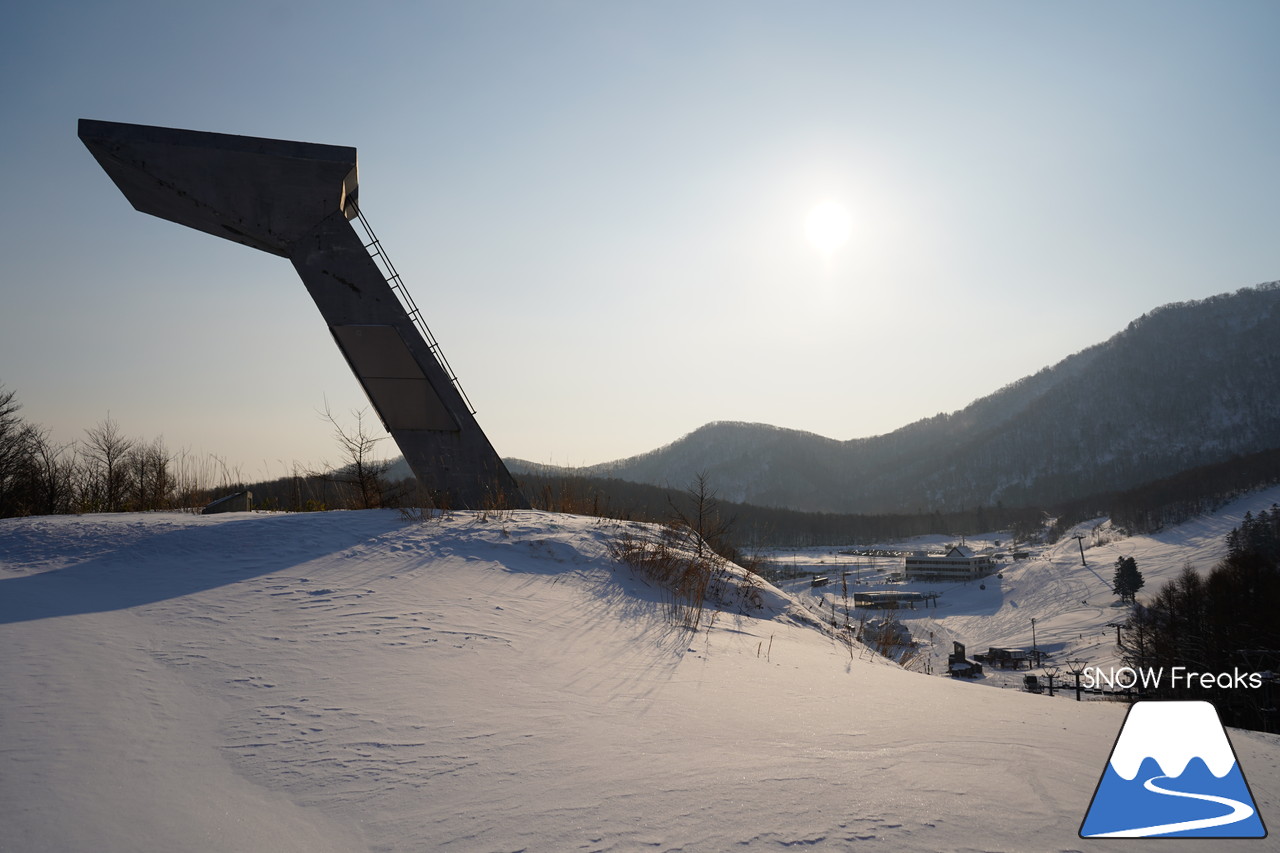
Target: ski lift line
392	276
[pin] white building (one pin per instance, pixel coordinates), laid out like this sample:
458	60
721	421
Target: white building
958	564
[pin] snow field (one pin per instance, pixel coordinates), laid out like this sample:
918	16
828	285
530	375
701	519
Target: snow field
1072	602
350	681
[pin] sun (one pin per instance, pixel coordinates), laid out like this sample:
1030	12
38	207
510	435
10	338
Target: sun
828	227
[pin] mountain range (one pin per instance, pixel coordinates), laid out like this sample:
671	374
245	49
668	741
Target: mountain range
1188	384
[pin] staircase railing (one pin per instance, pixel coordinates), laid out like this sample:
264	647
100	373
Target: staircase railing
374	246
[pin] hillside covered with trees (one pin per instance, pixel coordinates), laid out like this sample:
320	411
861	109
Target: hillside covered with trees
1187	385
1222	624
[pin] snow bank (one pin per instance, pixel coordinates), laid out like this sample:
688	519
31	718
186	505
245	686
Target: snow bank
350	681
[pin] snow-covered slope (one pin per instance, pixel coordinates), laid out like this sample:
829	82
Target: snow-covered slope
351	681
1070	599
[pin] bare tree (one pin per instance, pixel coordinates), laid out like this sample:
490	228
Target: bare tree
151	483
359	468
18	442
53	471
702	516
106	450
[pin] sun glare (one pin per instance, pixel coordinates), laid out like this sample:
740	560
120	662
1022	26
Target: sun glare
828	227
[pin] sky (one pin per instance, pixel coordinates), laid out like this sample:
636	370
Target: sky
600	207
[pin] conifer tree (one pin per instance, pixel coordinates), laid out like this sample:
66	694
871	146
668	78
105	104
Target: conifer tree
1128	580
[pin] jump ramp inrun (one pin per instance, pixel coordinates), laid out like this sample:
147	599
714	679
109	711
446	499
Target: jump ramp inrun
296	200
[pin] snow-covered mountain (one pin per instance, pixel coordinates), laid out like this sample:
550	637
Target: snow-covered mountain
351	681
1186	385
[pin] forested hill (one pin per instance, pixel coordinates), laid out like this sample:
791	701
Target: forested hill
1187	384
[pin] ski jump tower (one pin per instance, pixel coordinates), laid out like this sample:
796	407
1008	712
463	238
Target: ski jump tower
297	200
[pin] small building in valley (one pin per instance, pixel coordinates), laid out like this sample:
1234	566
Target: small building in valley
958	666
1010	658
958	564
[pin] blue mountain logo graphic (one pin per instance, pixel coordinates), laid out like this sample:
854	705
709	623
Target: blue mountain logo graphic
1172	774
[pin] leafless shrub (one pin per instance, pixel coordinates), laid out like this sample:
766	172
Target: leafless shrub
497	504
420	515
364	475
674	559
682	575
425	506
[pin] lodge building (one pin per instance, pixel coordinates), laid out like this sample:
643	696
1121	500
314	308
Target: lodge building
958	564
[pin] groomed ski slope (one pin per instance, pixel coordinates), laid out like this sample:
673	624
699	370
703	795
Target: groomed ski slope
351	681
1071	598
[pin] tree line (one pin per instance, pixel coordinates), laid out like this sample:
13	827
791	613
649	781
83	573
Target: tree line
109	471
1172	500
767	527
1169	501
1222	625
106	471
